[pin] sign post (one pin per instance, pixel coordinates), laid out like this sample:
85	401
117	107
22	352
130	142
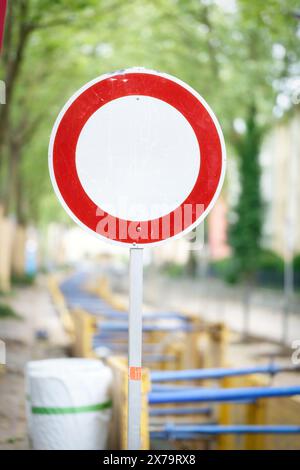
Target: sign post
137	158
135	348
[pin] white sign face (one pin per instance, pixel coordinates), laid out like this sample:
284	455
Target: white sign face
154	178
137	157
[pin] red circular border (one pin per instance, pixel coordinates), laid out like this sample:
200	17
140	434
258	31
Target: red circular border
89	101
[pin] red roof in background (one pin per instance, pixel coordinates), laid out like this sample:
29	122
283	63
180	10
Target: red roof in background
3	5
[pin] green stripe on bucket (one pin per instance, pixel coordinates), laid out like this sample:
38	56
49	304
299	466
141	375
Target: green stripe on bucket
37	410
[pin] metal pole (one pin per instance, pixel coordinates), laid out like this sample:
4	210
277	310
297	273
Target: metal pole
135	348
246	310
290	223
288	294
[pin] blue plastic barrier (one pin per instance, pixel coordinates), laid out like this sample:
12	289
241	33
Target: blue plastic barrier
180	411
205	374
221	395
123	327
179	432
77	297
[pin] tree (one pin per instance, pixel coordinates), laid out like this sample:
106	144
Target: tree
245	233
21	116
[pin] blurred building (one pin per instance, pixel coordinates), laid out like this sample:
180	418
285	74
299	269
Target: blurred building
280	160
217	230
280	186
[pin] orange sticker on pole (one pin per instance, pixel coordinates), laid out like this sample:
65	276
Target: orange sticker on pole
135	373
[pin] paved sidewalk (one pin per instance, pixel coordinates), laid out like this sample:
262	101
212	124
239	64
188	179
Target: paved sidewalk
34	305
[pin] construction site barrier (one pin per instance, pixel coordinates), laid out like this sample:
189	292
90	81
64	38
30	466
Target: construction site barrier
193	349
220	373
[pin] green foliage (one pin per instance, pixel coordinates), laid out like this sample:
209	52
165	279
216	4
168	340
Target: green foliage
24	280
296	263
226	269
7	312
225	54
174	270
269	269
270	261
245	231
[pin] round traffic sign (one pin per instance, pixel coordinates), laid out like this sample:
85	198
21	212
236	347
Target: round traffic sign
137	157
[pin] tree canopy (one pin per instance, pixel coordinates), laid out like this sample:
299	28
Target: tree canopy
237	54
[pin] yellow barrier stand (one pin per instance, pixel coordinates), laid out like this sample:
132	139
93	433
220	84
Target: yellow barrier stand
286	410
103	290
218	345
60	305
225	441
256	414
176	349
118	435
84	328
204	346
262	412
271	411
250	413
191	353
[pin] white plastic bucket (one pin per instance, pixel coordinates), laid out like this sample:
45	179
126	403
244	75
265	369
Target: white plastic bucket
47	365
69	403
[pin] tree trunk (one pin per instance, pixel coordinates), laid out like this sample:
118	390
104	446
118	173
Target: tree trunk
18	255
11	188
192	265
13	60
6	237
17	204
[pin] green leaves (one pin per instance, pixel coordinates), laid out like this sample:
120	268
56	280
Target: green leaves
224	53
245	232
